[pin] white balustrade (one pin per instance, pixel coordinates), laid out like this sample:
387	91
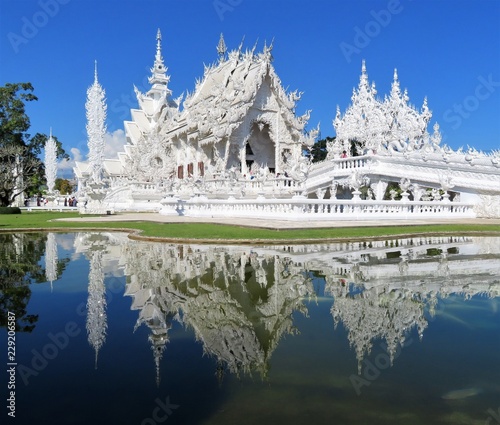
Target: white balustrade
316	209
350	163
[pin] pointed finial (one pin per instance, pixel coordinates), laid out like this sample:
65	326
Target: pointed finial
241	44
158	57
95	71
268	50
363	79
50	133
395	74
158	41
255	46
271	45
221	48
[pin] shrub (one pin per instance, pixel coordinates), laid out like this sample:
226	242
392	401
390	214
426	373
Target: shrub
10	210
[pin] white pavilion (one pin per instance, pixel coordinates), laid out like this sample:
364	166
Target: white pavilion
235	148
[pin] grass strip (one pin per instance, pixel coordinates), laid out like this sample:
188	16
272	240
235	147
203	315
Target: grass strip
210	231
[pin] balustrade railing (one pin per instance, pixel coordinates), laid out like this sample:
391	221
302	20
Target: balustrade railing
146	187
255	185
316	209
350	163
325	170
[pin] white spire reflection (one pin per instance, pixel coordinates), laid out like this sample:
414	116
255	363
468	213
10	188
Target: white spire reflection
51	259
103	256
96	304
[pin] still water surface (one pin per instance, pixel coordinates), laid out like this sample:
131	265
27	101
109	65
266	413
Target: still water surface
113	331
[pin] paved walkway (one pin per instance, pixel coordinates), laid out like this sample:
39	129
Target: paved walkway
274	224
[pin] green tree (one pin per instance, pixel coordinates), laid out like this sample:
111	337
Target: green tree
319	151
64	186
21	169
20	266
356	147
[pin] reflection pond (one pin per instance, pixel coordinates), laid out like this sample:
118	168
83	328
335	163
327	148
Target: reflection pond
115	331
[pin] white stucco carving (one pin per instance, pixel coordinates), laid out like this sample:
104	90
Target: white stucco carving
96	127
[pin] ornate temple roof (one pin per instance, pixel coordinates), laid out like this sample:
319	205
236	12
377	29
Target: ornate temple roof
220	100
381	124
230	87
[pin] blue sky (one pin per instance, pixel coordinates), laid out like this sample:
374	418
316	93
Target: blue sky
447	50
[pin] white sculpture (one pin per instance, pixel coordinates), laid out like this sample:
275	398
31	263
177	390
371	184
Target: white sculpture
96	127
50	163
364	121
391	125
379	189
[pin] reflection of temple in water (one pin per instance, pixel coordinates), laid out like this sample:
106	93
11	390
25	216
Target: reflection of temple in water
100	249
383	291
239	300
51	258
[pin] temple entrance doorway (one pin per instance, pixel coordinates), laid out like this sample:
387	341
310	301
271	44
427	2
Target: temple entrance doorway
260	148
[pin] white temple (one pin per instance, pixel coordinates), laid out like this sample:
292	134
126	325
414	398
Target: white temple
235	147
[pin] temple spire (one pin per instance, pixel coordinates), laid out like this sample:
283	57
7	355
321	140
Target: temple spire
395	88
221	48
159	78
158	57
363	81
96	128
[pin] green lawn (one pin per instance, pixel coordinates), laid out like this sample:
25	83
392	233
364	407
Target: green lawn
41	220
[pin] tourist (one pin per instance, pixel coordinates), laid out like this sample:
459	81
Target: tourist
65	202
70	202
344	154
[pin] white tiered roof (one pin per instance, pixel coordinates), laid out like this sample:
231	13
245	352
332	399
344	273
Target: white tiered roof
219	104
